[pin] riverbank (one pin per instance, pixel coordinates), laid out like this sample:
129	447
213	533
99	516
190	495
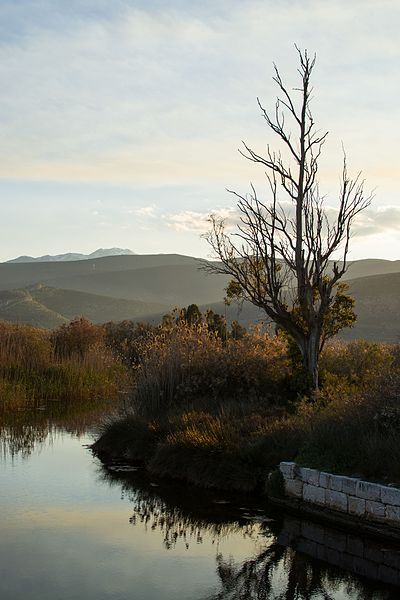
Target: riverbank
224	411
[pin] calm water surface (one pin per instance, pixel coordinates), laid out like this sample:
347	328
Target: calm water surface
73	529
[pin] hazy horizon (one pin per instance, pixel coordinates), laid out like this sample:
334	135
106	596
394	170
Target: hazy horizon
121	121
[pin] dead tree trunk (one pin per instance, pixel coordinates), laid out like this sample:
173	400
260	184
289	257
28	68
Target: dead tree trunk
285	260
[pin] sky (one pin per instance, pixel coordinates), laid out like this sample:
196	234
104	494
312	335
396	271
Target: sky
120	121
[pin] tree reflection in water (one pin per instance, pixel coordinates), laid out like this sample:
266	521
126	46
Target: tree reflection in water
278	571
283	566
281	573
28	428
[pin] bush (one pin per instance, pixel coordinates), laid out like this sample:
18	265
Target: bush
358	433
70	363
126	338
76	338
182	364
128	437
359	362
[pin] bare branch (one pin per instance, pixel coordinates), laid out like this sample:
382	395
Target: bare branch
289	258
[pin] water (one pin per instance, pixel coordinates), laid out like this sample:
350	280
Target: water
71	528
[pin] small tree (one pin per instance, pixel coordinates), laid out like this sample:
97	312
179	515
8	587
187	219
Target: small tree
286	261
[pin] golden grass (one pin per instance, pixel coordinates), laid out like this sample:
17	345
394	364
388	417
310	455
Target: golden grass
31	369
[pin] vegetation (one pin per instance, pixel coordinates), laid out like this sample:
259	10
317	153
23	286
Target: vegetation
284	259
71	363
212	403
222	412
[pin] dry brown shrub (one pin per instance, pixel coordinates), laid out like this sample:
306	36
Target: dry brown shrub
76	338
184	362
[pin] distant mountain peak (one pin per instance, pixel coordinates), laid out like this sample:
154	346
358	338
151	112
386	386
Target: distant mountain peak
71	256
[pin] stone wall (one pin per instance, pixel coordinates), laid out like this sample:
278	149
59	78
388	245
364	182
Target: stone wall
367	558
349	495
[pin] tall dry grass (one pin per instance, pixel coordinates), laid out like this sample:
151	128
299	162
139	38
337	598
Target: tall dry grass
183	366
32	368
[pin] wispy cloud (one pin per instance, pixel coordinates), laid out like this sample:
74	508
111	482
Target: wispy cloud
199	222
384	219
144	211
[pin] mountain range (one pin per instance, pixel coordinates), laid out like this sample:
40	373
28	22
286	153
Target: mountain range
71	256
144	287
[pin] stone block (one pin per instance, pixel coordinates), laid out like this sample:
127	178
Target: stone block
310	476
314	494
356	506
292	525
347	561
294	487
321	552
288	469
368	491
374	510
336	500
349	485
390	495
335	483
324	479
333	557
392	513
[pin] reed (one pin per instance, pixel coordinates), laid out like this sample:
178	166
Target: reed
33	369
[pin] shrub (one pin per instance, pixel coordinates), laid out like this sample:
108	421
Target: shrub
126	338
359	362
358	433
182	364
128	437
76	338
69	363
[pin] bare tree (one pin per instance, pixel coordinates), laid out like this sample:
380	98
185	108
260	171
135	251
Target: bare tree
288	258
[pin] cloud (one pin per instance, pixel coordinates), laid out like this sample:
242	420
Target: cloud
144	211
384	219
199	222
135	91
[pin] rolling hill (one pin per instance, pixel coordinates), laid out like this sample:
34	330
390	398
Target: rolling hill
48	307
147	286
377	307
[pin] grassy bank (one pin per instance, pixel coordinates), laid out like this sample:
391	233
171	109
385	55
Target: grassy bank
69	363
222	412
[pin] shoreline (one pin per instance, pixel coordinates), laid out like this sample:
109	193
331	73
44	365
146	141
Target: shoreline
323	515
